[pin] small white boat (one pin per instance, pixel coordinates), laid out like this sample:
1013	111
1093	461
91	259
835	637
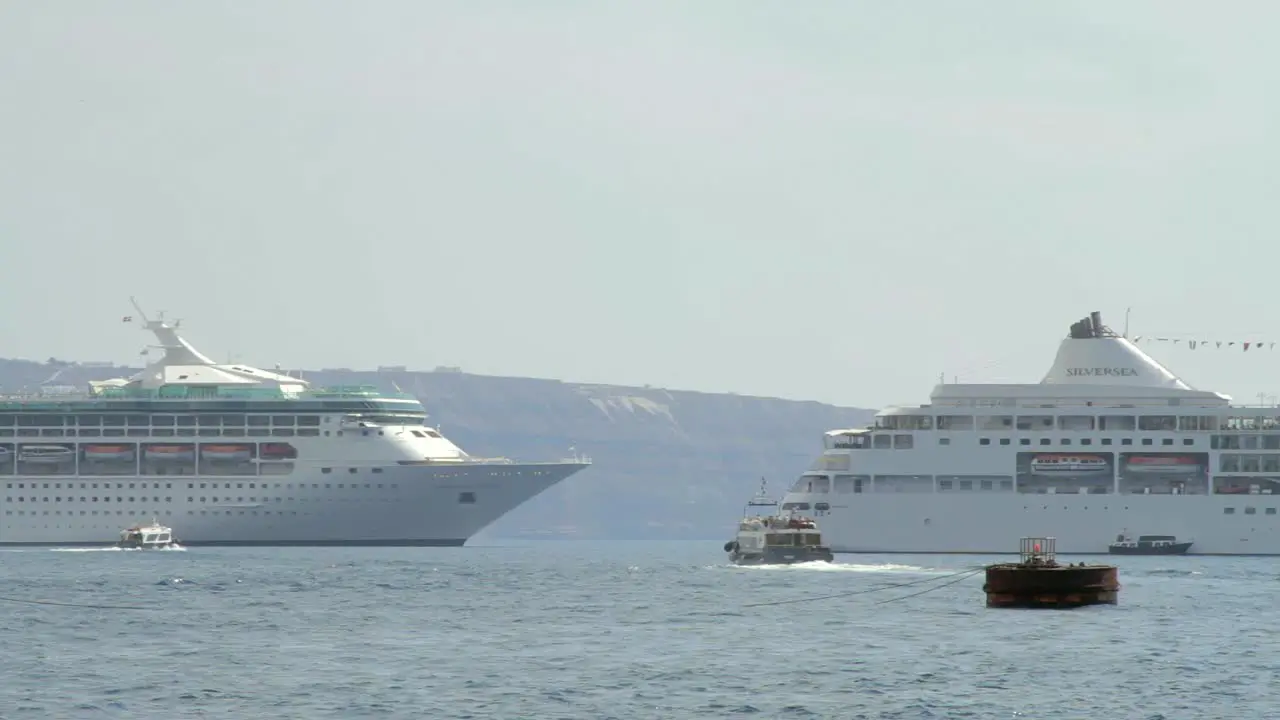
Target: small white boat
147	537
46	453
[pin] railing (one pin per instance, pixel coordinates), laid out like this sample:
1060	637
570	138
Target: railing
1038	550
32	401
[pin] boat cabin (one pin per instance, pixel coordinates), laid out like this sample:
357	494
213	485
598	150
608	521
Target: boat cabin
1145	540
146	536
779	531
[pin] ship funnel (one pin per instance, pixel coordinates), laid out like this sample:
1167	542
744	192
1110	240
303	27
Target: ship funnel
1092	354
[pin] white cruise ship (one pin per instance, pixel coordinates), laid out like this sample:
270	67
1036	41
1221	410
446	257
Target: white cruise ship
235	455
1110	442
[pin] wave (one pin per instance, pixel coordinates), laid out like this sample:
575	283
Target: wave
819	566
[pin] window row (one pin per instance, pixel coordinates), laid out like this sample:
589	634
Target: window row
1081	441
42	420
1049	423
163	432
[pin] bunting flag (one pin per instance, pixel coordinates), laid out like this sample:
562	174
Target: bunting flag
127	318
1245	345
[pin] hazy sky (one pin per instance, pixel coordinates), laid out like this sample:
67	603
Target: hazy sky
826	200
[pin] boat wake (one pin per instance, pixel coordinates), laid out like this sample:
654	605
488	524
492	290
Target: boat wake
819	566
172	548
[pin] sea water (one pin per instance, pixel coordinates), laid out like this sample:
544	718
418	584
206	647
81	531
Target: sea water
617	630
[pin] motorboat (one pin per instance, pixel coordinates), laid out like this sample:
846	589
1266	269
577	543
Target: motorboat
147	537
775	538
1148	545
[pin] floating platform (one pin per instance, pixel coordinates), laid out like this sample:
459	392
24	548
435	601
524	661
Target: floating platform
1038	581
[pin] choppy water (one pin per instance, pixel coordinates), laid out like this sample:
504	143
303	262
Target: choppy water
629	630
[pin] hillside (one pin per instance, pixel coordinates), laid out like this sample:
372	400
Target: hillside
667	463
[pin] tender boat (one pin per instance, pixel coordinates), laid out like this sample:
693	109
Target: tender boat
1164	464
1148	545
170	453
229	453
1052	464
108	452
775	538
46	454
147	537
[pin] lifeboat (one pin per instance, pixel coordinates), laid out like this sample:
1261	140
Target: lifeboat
277	451
108	452
5	454
46	453
1171	464
225	453
170	453
1067	464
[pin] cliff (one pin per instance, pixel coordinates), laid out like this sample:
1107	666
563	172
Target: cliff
667	463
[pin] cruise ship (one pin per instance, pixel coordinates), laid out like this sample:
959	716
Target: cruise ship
229	454
1109	442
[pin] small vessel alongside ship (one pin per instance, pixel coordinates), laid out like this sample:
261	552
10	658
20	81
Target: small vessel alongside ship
1108	438
147	537
775	538
1148	545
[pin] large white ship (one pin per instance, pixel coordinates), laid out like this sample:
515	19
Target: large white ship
229	454
1110	442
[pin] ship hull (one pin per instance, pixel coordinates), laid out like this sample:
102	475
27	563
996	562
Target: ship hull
991	523
436	505
1174	549
783	556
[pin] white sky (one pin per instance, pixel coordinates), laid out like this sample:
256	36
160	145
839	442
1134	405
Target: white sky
833	201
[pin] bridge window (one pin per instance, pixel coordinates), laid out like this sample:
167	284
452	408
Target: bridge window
902	442
1116	422
905	422
1035	423
1197	423
955	422
1158	423
995	422
851	484
1075	422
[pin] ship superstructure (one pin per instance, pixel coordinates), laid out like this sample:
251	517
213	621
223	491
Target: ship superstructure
1109	439
238	455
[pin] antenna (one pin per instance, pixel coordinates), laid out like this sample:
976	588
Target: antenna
1126	322
138	307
